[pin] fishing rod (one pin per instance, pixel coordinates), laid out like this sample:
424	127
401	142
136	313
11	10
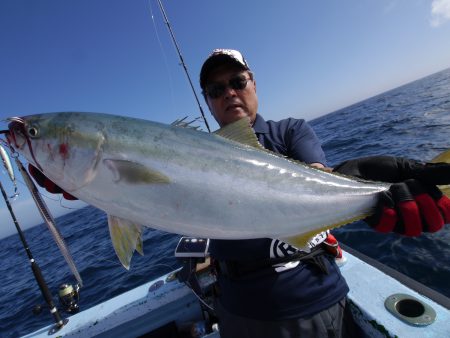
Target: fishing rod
166	20
40	204
49	221
42	207
59	322
68	295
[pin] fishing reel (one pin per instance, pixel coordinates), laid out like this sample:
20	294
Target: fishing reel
69	297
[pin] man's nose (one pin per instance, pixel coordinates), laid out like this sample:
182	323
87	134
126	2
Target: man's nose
229	92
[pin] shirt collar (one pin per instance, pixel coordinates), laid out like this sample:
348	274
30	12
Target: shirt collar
260	125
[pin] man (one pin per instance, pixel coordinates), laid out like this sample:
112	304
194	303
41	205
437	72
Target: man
299	297
264	305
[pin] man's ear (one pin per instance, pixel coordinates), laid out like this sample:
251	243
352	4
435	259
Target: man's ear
209	107
207	103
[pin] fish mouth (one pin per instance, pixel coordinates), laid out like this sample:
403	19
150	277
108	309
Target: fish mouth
17	136
16	127
14	121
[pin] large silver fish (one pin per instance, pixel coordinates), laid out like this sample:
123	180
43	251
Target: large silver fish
221	185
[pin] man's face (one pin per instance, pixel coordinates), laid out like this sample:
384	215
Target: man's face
233	104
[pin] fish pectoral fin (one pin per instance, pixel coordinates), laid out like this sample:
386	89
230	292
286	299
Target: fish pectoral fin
134	173
126	237
240	131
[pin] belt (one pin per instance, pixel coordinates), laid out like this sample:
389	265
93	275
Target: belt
240	269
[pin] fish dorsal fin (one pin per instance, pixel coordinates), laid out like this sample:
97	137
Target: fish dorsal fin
126	237
183	123
240	131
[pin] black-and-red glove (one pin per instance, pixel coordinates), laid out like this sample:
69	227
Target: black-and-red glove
413	204
46	183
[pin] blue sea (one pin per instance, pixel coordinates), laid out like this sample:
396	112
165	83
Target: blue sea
411	121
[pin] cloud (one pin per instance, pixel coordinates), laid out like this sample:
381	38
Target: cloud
440	12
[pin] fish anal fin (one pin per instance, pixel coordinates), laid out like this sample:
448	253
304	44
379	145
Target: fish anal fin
126	237
240	131
301	241
134	173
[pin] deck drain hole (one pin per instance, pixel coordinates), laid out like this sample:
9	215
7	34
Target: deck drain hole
410	308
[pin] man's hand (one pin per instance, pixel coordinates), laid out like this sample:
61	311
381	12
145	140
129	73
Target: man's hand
413	204
49	185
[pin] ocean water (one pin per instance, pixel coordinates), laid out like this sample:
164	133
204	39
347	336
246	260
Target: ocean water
411	121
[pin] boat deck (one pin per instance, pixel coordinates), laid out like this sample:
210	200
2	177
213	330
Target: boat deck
167	308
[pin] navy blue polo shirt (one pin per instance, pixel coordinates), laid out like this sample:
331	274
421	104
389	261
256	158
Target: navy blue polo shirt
294	291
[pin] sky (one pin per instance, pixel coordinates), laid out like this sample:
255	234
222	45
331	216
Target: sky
309	58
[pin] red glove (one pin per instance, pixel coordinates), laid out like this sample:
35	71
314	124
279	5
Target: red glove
410	208
49	185
413	204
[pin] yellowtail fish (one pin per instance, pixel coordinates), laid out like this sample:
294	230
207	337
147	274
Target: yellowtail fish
220	185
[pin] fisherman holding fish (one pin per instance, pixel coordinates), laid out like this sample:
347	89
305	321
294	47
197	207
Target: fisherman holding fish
259	209
263	292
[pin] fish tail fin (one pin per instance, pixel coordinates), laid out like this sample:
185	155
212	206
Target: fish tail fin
126	237
443	157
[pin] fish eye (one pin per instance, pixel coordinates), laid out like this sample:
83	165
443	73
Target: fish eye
33	131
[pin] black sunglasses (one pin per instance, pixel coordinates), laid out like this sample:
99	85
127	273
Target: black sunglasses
216	90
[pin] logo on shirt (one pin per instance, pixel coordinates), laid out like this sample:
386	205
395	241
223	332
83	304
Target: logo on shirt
279	249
